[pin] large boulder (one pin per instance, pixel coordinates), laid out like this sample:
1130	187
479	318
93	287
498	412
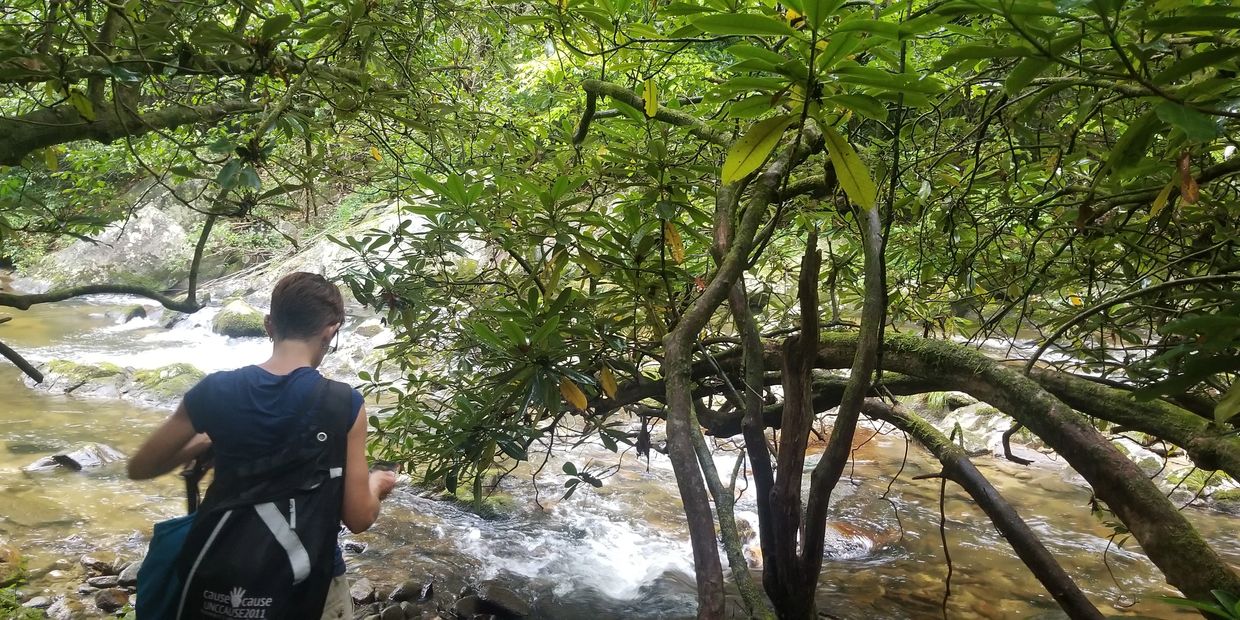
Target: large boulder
67	377
239	320
150	248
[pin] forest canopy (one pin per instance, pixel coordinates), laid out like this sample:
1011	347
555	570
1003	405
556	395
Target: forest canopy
690	208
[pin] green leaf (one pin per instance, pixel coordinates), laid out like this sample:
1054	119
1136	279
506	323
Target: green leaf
745	51
1196	62
1209	24
975	51
227	177
817	11
748	153
897	82
82	104
275	26
852	173
872	27
569	468
743	24
1198	605
1229	405
1196	126
1030	68
864	105
1131	146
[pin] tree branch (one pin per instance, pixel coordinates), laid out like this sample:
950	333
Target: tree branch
62	124
24	302
959	469
21	363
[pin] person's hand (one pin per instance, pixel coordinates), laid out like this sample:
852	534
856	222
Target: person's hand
382	483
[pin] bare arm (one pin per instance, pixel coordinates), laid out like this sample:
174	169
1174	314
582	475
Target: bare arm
363	490
172	444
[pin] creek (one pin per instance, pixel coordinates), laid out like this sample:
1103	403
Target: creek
620	551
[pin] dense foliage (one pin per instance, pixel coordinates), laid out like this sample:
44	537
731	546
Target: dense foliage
584	180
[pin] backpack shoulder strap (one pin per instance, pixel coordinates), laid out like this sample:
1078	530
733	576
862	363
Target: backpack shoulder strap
331	422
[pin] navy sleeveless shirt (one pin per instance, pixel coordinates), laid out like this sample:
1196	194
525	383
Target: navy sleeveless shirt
248	412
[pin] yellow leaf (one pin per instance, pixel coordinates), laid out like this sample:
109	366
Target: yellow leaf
795	19
851	172
752	149
374	152
1160	201
1076	301
651	97
674	242
572	394
608	379
49	158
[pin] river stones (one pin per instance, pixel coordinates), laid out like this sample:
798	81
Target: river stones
362	592
112	599
87	456
129	576
38	602
239	320
103	581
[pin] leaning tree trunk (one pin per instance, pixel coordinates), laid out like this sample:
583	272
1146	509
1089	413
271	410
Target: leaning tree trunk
1166	536
959	469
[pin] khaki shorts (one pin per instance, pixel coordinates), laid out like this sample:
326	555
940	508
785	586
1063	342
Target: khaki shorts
339	605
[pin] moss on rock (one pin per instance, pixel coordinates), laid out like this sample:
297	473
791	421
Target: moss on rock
1226	495
81	373
170	381
239	320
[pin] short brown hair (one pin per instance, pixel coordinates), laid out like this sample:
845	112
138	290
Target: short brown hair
304	303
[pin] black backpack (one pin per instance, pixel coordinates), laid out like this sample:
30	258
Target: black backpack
263	540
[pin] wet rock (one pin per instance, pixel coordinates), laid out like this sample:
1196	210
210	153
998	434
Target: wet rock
134	312
410	610
369	328
239	320
65	609
408	591
129	576
103	581
67	377
467	606
112	599
166	383
353	546
38	602
171	318
501	601
86	588
362	592
90	455
97	566
392	612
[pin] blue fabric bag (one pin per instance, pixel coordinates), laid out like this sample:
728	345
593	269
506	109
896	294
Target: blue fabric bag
159	586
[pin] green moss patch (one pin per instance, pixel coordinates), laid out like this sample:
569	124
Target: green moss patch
170	381
81	373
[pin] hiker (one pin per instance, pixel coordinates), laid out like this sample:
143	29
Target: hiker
262	422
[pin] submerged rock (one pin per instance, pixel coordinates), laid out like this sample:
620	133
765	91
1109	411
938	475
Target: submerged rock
87	456
502	602
239	320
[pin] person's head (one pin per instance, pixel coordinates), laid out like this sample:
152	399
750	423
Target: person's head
305	307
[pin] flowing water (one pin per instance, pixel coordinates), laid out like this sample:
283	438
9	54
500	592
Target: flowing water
616	552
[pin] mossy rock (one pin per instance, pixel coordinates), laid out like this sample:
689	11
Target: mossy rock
239	320
1227	495
81	373
170	381
135	312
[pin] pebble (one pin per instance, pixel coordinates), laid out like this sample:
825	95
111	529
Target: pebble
407	591
38	602
362	592
98	566
393	612
111	600
103	581
129	576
